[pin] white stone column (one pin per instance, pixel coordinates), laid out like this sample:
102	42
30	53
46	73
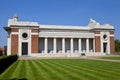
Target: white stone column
71	45
63	45
54	43
108	45
87	45
46	45
79	45
101	43
93	45
9	45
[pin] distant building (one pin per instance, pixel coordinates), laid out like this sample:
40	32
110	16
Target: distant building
33	39
3	51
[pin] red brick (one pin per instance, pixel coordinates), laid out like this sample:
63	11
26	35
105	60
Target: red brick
14	30
34	44
97	32
112	48
97	44
35	30
14	44
111	32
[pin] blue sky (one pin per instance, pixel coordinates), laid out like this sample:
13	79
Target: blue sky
60	12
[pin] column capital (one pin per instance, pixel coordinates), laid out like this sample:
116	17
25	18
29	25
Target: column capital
45	37
63	38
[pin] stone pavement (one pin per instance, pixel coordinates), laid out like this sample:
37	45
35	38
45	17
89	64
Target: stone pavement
83	57
100	58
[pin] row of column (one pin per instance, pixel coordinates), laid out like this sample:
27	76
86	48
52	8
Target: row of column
63	45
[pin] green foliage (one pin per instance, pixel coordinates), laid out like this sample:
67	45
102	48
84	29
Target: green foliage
6	61
117	45
62	69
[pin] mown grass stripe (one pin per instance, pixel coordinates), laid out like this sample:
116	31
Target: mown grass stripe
89	66
111	72
76	72
22	70
108	68
54	74
62	69
96	71
17	70
66	74
7	74
103	69
38	71
40	74
100	64
92	72
94	66
30	70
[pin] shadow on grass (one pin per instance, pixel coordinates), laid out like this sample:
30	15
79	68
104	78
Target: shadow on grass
6	61
18	79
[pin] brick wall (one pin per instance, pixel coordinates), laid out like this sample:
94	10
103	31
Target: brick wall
14	30
111	32
97	32
97	44
112	48
112	43
14	44
35	30
34	43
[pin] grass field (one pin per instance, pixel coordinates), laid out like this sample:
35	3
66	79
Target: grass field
62	69
112	57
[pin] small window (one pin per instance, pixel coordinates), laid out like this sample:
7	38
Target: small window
104	36
24	35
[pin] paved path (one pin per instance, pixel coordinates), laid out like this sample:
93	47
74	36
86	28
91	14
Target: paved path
102	59
84	57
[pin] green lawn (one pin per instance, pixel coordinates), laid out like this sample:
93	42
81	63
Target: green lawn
62	69
112	57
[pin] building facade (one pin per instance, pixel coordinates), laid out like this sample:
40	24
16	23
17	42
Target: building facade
33	39
3	51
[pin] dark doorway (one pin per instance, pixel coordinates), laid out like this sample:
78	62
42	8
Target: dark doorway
104	47
24	48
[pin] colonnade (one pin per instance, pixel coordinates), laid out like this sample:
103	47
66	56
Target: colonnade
83	45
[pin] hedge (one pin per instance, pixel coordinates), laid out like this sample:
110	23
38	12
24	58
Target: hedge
6	61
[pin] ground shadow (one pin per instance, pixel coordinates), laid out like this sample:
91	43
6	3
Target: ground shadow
18	79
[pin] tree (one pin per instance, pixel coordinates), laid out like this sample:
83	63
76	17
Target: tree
117	45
